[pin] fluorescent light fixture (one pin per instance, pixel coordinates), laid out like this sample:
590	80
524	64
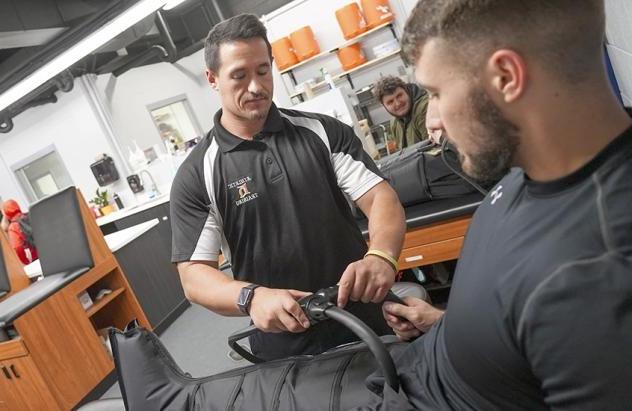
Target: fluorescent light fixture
173	3
84	47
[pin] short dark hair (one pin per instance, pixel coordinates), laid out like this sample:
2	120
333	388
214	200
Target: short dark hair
387	86
566	34
240	27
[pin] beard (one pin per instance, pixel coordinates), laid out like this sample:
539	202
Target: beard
259	113
496	139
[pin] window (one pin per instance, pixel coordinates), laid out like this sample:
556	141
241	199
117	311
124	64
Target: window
175	123
42	174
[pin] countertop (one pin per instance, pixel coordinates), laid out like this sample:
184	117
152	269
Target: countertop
115	241
128	211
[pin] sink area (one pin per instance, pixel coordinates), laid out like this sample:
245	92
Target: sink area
134	208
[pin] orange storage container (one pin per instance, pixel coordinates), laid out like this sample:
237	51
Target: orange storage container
283	53
376	12
351	20
351	56
304	43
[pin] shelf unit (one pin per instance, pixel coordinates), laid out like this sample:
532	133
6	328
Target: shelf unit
345	44
346	74
104	301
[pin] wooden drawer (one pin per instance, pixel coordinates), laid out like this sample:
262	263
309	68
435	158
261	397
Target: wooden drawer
443	230
13	349
430	253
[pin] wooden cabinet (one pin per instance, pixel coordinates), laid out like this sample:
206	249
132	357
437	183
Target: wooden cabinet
22	387
433	243
61	336
28	389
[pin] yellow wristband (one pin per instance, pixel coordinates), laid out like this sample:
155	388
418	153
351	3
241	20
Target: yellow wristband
384	256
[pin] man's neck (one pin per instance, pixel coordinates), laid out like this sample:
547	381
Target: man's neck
567	137
241	127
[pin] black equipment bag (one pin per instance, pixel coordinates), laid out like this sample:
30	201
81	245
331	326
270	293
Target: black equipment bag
150	379
419	173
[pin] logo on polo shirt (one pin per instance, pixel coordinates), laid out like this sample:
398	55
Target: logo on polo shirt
243	192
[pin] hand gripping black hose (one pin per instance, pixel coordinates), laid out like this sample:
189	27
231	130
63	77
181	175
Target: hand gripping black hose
319	307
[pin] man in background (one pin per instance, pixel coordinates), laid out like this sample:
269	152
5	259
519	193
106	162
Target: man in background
19	231
407	103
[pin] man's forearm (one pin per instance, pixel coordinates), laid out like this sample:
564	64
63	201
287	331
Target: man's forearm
387	224
210	288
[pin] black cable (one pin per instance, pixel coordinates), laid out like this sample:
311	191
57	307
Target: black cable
371	339
239	335
444	145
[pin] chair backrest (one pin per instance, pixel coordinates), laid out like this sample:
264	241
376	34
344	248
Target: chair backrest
59	233
5	284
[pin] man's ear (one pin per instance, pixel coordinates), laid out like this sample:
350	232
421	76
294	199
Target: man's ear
212	79
506	72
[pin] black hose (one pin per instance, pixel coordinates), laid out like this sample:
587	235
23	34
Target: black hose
371	339
233	343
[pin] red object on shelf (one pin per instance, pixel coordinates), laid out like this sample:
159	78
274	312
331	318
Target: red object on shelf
351	56
283	53
376	12
351	20
304	43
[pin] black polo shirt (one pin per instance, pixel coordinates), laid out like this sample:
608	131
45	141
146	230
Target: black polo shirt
277	206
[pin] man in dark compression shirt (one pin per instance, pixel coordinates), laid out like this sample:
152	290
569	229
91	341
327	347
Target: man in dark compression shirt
540	312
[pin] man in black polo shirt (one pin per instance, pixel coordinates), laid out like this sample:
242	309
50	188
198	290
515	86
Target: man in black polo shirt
540	311
269	187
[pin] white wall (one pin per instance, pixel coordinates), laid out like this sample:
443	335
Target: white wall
129	95
71	125
619	36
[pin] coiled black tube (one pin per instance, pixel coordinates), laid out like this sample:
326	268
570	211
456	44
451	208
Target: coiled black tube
371	339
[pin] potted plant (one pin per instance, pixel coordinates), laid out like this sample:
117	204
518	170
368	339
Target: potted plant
101	201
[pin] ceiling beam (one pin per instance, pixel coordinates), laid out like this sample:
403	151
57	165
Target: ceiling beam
28	38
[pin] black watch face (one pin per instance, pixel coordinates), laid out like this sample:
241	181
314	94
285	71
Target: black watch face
243	297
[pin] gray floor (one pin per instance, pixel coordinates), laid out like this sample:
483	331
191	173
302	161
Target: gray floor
197	341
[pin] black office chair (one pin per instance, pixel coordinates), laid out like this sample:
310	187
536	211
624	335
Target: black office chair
63	249
59	233
5	284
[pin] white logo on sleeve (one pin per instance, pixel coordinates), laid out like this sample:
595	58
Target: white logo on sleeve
496	194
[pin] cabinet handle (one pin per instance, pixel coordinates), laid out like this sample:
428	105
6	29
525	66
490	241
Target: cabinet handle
14	371
6	372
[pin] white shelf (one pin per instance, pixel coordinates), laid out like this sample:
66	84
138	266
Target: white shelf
345	73
345	44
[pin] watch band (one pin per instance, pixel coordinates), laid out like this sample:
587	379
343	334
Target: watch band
245	298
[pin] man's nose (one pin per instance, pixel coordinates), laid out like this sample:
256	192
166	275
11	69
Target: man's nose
255	86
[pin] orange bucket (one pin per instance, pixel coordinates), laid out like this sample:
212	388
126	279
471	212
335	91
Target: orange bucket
351	20
351	56
376	12
304	43
283	53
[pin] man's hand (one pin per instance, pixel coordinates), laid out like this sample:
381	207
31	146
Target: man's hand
366	280
410	320
275	310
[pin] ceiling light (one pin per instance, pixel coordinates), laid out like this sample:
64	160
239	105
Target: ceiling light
172	3
81	49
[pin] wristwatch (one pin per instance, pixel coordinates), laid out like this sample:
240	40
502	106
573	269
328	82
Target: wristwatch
245	298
